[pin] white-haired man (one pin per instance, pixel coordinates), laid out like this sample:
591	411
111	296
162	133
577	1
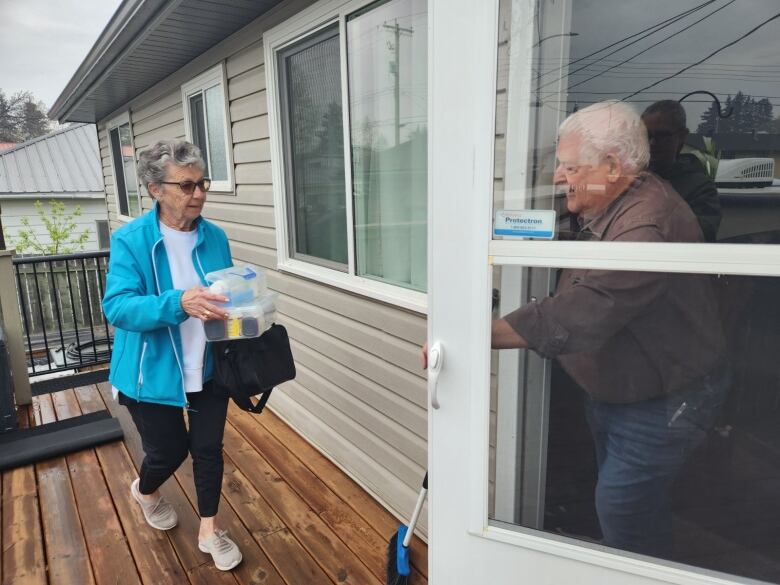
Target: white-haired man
646	347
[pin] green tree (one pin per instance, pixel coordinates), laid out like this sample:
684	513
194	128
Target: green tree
60	226
8	126
33	121
22	117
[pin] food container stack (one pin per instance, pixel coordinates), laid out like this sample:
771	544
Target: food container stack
251	306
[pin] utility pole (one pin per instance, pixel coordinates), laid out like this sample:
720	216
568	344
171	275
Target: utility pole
396	70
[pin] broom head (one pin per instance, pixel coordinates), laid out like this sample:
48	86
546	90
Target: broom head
398	569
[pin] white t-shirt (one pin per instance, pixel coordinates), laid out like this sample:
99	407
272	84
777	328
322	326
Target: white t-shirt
179	247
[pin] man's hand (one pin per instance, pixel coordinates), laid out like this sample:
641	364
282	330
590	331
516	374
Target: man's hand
198	302
424	356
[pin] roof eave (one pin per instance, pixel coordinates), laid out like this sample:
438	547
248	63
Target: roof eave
125	26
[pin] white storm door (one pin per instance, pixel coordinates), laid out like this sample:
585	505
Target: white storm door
465	544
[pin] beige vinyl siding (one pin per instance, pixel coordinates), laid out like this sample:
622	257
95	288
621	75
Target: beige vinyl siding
360	395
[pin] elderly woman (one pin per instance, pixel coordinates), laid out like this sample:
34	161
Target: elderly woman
156	299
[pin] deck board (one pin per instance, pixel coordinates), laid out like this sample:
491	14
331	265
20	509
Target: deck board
23	560
298	518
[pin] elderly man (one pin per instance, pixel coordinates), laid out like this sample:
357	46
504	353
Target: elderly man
667	131
646	347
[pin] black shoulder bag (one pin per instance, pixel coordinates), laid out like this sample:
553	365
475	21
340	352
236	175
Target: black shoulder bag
248	368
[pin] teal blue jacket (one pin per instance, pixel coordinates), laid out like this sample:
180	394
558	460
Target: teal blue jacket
141	303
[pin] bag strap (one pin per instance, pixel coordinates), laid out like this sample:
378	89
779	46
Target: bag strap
258	408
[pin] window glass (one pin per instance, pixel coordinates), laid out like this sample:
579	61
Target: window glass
701	75
103	234
126	184
314	141
388	97
199	132
215	122
646	416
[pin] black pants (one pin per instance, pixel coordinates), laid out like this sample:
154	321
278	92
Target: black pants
166	442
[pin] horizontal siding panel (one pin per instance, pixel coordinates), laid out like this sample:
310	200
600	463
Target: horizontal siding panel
407	414
254	151
246	59
173	114
499	158
255	104
410	327
390	348
251	129
248	82
254	255
163	103
379	425
502	108
257	236
252	215
169	132
258	173
402	467
398	497
255	194
407	385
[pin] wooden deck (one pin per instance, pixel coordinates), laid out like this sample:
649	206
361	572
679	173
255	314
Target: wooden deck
297	518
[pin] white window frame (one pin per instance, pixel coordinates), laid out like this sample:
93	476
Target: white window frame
120	120
297	28
213	77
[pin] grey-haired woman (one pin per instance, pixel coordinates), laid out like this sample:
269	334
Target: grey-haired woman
160	366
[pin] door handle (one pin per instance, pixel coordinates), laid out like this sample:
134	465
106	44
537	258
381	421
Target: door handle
435	359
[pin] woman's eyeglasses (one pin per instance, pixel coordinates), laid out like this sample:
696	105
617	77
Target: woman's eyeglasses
188	187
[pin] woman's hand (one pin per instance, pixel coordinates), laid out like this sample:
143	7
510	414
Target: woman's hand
198	302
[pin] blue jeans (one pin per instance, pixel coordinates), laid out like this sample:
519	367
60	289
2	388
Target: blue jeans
640	448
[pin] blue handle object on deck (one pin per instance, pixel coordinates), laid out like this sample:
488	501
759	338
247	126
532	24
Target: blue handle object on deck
402	553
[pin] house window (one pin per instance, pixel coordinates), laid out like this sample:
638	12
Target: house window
103	234
351	143
128	199
205	118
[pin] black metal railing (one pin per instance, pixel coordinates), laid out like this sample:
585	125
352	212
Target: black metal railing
59	299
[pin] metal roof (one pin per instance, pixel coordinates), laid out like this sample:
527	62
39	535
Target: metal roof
65	163
143	43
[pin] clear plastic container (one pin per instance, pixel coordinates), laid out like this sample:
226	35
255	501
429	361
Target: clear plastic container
250	320
242	284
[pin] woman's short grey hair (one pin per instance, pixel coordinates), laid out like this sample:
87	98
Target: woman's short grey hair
154	161
610	127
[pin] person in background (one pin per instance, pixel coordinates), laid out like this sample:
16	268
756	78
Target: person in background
160	366
667	131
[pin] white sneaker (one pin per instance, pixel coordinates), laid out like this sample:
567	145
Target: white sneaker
223	550
160	514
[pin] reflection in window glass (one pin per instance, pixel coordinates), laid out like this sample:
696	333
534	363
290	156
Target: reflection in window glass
703	76
644	417
387	48
199	132
314	139
215	121
126	184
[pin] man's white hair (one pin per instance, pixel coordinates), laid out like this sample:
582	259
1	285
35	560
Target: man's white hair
610	127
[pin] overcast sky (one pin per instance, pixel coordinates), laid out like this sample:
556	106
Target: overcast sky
43	42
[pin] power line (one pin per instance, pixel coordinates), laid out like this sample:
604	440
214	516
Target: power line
699	62
652	30
682	30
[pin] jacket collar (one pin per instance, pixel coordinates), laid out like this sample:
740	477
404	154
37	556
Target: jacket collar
155	216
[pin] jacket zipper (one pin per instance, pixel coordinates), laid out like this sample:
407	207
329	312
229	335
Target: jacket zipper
141	370
170	333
